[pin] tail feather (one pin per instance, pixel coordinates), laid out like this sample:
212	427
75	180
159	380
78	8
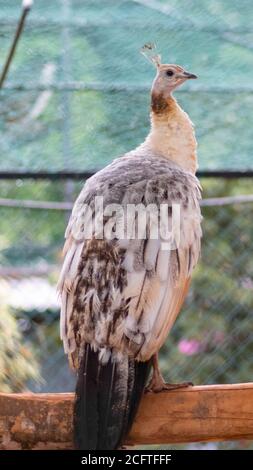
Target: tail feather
107	398
106	385
141	373
85	409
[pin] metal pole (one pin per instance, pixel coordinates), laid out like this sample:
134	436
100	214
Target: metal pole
26	6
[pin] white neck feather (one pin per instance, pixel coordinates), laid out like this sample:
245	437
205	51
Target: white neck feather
172	136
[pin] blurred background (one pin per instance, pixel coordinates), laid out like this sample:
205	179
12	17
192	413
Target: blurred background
76	96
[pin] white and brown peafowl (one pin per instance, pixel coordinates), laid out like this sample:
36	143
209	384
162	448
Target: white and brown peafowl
121	295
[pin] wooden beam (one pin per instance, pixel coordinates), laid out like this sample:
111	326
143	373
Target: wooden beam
205	413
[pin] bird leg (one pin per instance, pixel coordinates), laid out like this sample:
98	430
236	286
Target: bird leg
157	383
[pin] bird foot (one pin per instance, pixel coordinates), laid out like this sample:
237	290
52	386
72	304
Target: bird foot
158	385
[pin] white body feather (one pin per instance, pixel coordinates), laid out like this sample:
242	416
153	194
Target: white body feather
124	296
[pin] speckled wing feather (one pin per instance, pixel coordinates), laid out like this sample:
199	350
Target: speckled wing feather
123	295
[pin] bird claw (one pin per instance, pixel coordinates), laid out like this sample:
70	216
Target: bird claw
157	386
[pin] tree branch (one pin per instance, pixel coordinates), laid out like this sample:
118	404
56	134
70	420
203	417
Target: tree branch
205	413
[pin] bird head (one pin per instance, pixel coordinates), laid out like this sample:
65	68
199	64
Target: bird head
168	76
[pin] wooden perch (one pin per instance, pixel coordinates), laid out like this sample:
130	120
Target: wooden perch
205	413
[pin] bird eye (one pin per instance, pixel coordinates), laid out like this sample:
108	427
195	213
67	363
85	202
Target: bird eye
169	73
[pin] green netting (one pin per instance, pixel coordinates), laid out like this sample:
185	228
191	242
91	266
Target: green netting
98	107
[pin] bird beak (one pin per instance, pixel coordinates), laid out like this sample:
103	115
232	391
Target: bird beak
188	75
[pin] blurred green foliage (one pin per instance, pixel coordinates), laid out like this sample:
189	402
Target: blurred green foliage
18	363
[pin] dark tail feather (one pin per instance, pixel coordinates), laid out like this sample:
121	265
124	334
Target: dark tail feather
107	399
85	407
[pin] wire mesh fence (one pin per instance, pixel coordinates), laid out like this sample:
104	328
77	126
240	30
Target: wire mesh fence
77	72
77	96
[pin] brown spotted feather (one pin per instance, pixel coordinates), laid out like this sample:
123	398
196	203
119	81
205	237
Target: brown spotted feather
123	296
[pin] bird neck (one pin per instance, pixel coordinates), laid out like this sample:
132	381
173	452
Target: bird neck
172	133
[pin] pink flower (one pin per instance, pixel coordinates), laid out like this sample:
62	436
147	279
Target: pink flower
189	347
